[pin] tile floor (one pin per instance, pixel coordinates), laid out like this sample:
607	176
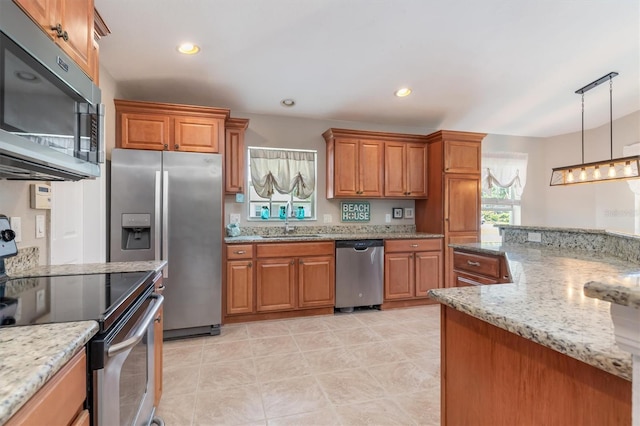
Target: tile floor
365	368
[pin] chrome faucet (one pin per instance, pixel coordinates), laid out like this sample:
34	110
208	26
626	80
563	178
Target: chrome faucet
287	211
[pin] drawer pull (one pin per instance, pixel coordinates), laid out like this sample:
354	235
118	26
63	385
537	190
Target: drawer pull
414	245
470	263
239	252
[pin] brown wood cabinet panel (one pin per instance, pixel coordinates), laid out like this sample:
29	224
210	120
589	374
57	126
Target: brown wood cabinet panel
239	251
275	284
43	12
428	272
316	281
412	245
462	279
234	155
295	249
239	287
477	264
197	134
371	168
462	203
449	279
83	419
462	157
399	276
417	170
60	400
395	169
493	377
144	131
346	179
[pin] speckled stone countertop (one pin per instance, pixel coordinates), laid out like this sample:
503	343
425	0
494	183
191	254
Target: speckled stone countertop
90	268
331	237
625	292
30	356
546	303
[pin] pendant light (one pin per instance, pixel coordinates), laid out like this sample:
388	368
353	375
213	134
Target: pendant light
599	171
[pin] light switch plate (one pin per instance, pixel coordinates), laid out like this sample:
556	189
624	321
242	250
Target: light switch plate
534	237
387	217
16	226
40	226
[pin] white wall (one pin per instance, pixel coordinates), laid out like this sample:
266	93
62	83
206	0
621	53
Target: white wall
303	133
607	205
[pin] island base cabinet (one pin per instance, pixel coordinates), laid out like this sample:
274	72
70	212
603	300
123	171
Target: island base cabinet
493	377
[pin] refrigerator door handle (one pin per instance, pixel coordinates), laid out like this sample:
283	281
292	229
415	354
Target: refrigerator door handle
165	222
157	229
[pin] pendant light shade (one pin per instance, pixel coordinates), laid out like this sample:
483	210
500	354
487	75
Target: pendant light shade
599	171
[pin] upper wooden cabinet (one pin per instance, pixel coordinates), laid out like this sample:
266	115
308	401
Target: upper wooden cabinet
405	170
70	24
453	206
169	127
234	160
363	164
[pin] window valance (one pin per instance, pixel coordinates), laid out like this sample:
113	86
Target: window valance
505	170
285	171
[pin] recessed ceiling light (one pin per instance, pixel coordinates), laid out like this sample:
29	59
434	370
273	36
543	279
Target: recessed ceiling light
287	102
401	93
188	48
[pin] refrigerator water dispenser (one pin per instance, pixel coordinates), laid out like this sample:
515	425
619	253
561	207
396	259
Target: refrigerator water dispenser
136	231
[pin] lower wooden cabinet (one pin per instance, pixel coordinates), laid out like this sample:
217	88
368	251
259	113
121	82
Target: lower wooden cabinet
287	278
412	268
471	269
61	400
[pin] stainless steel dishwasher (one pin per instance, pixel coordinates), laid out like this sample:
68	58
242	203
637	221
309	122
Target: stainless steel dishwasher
359	273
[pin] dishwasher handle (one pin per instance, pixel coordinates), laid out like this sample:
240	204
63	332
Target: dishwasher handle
359	245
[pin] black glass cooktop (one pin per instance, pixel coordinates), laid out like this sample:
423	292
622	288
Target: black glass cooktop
27	301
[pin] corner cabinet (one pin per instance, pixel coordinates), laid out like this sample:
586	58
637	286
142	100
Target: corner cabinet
363	164
69	23
454	187
169	127
234	160
279	280
411	269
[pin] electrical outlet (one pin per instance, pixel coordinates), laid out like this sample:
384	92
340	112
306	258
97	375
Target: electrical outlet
327	218
534	237
234	218
40	226
387	218
16	226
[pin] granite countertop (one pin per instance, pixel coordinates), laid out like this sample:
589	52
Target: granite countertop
625	292
90	268
330	237
31	355
546	303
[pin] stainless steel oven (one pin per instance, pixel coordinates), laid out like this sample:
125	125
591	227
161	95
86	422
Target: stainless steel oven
123	385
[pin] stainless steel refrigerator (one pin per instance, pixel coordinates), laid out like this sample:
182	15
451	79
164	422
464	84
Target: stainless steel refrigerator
168	205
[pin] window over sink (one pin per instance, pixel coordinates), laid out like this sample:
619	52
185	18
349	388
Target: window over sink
281	182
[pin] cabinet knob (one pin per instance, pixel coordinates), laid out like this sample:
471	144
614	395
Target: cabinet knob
249	265
176	146
301	262
292	263
240	188
60	33
166	146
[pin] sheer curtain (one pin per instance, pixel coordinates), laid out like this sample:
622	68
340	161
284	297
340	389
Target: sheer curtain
505	170
288	172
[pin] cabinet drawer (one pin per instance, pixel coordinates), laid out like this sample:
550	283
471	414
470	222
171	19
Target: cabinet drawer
466	280
295	249
391	246
477	264
239	251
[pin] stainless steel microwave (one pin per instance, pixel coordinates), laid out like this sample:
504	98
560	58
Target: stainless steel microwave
51	119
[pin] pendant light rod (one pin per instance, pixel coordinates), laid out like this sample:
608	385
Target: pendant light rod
610	115
597	82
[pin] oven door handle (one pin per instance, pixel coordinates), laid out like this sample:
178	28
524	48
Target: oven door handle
140	330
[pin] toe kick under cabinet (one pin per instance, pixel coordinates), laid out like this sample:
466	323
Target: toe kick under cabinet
279	280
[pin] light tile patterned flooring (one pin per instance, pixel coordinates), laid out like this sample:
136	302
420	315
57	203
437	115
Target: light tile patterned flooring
365	368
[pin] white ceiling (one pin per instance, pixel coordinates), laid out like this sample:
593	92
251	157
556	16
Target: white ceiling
495	66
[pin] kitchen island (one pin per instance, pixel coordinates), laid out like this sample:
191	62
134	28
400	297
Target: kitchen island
536	350
31	355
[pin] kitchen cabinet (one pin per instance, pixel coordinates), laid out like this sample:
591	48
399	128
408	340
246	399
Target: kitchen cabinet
61	400
158	344
454	188
478	269
234	159
363	164
411	268
405	170
288	280
69	23
169	127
